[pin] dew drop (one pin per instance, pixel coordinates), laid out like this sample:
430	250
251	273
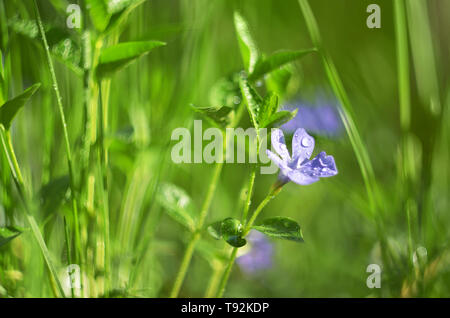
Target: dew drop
306	142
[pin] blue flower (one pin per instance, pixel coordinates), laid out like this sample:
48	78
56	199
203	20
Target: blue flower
299	168
259	254
322	119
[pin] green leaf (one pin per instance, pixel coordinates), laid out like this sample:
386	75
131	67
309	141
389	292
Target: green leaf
268	108
249	51
277	81
275	61
218	116
252	100
279	118
281	227
177	204
7	234
98	11
63	43
120	55
119	10
9	109
230	230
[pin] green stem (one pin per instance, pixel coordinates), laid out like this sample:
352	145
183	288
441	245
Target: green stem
203	214
401	36
217	270
215	279
65	132
17	177
226	274
196	236
184	265
272	194
104	189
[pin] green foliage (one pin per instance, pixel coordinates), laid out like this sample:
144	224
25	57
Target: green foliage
9	109
263	112
7	234
230	230
98	11
178	205
249	51
281	227
220	117
275	61
253	101
120	55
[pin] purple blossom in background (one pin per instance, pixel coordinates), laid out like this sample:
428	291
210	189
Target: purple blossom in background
322	119
259	256
299	168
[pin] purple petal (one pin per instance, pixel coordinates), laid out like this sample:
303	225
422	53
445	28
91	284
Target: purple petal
283	165
279	144
302	146
301	178
321	166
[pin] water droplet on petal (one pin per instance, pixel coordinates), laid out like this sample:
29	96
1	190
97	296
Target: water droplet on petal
306	142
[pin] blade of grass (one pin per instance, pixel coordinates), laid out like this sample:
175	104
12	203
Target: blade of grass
79	257
346	111
403	73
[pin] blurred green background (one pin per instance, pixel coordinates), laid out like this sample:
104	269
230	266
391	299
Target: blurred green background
151	97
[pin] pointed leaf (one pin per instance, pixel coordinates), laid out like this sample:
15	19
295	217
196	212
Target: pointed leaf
278	80
98	11
268	108
281	227
275	61
7	234
249	51
218	116
120	55
177	204
120	10
9	109
279	118
252	100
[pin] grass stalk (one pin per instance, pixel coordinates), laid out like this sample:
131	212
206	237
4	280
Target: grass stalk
78	253
346	111
403	73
